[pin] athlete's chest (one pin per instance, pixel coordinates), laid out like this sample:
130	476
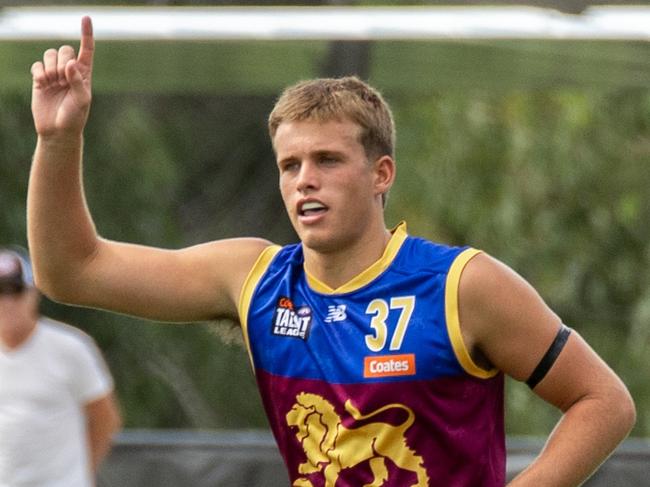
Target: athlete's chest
394	328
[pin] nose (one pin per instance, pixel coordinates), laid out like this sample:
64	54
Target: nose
307	177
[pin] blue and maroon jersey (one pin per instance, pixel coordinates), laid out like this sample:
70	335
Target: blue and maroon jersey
371	383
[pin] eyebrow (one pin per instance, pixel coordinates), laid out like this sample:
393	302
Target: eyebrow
317	154
336	153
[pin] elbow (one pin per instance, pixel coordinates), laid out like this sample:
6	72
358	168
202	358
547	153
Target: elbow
627	412
43	284
52	288
60	283
621	411
116	421
111	427
118	424
61	275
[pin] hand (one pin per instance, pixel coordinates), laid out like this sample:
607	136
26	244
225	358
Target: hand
61	87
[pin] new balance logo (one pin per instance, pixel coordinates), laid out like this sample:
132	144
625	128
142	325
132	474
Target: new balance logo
336	313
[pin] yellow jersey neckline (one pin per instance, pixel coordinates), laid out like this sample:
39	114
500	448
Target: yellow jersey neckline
366	276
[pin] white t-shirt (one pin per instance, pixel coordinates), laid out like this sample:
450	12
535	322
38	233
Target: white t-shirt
44	385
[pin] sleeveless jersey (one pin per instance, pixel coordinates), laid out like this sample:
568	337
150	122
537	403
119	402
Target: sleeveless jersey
371	382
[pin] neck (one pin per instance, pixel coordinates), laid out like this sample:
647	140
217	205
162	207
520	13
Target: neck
15	334
338	267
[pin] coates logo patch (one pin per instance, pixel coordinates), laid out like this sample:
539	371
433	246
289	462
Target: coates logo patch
291	321
389	365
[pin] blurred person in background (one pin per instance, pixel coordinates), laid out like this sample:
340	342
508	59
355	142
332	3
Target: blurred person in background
57	408
380	357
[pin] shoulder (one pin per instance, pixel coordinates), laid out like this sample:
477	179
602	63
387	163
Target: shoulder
481	271
218	269
73	350
64	333
245	250
421	255
272	259
69	347
490	286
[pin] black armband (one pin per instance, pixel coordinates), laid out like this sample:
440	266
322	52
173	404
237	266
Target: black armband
549	357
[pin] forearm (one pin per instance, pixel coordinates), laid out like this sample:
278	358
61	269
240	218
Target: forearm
582	440
99	447
60	230
103	422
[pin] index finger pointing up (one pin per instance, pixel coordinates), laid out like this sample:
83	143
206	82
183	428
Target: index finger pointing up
87	47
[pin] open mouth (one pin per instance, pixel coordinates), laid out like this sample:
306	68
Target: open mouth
311	208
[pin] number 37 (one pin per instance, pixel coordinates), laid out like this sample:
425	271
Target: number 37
380	310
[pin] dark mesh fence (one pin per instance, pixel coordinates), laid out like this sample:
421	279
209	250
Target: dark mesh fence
251	459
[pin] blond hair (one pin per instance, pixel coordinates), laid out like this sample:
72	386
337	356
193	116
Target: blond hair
348	98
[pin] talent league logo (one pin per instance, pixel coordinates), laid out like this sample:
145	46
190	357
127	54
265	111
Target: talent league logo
290	321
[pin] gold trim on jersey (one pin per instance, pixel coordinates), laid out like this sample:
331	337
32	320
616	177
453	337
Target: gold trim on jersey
453	318
372	272
246	295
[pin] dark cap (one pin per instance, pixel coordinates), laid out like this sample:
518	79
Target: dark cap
15	271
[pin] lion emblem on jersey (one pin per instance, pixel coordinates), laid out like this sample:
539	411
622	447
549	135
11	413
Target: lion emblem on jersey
331	447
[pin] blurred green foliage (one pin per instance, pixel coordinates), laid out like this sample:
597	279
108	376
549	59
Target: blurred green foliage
552	179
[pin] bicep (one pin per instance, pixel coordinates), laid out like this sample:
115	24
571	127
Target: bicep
103	417
506	320
502	317
196	283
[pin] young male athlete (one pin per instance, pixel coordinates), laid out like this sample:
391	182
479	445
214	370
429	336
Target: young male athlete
380	357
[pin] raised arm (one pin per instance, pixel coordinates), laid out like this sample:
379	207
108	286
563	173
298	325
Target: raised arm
61	94
72	263
506	324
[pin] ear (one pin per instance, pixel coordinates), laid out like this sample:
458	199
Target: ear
384	174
